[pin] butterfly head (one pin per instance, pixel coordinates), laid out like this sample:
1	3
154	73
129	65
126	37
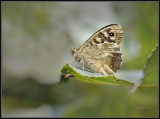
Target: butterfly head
73	51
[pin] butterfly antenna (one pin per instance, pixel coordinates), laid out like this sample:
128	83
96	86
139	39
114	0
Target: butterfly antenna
69	38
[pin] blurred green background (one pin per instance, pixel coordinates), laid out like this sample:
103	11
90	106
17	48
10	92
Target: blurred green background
35	48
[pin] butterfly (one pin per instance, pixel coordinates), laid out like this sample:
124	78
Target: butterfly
101	52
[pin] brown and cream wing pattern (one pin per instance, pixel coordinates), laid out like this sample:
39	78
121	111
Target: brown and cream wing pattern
101	52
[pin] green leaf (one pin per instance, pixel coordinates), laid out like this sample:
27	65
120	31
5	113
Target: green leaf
111	79
151	69
150	72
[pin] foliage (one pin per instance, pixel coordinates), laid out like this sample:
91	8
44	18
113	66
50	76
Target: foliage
151	69
111	79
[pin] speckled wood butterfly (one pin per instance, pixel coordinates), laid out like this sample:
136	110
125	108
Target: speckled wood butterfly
101	52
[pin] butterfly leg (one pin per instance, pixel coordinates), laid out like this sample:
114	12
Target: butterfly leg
72	60
83	65
82	61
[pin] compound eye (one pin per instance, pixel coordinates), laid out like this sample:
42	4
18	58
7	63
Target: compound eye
111	34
